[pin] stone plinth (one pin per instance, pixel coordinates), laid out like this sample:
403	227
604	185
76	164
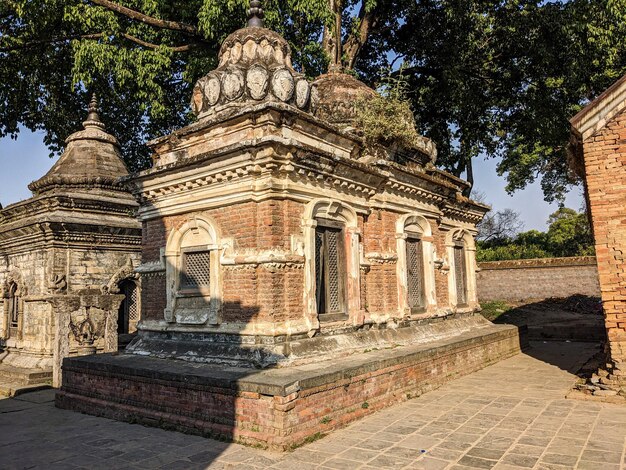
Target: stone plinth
280	408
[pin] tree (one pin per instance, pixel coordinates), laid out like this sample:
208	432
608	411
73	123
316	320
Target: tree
498	78
568	234
499	225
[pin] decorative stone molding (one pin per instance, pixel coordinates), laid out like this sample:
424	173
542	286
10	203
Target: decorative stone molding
125	272
415	225
454	238
381	258
182	308
345	216
271	259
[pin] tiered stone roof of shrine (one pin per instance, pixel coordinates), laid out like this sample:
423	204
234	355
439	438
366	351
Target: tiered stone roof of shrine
92	157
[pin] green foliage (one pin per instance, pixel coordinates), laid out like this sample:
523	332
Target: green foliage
492	310
501	78
387	117
568	235
498	78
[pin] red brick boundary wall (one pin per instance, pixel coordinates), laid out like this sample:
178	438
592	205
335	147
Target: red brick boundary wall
275	408
521	280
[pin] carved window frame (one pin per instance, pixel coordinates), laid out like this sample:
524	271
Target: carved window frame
460	240
198	234
121	288
415	227
331	229
330	212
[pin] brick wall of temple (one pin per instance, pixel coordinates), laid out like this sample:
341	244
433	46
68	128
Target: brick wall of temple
522	280
605	174
263	292
249	291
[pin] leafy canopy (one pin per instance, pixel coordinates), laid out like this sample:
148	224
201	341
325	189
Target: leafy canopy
495	78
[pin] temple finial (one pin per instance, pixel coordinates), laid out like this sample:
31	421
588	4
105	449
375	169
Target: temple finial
255	14
93	118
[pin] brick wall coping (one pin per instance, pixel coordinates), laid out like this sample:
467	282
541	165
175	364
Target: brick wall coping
539	263
278	381
601	110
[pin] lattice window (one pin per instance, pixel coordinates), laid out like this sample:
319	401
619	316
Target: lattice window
415	273
131	296
196	273
329	270
460	273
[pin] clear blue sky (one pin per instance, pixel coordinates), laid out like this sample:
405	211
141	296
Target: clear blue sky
26	160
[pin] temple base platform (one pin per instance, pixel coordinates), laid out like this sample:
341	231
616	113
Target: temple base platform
281	407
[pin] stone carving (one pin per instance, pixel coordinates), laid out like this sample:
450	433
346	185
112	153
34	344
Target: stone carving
303	91
57	284
212	90
87	325
282	85
125	272
257	80
246	61
197	96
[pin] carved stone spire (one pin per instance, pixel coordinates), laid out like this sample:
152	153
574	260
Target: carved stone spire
91	158
255	15
254	66
93	118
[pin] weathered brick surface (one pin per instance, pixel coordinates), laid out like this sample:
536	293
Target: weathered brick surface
278	421
523	280
605	174
256	293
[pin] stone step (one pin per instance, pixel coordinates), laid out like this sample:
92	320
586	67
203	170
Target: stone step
9	389
23	376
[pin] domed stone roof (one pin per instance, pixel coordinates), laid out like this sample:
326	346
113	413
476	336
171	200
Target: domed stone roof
254	66
92	157
336	96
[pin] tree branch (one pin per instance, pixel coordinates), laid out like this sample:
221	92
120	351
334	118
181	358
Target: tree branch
29	44
354	43
149	45
149	20
136	40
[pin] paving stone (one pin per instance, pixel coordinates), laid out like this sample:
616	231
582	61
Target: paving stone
461	426
559	459
525	461
477	462
601	456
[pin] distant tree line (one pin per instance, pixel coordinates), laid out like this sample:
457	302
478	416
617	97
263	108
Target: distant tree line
500	238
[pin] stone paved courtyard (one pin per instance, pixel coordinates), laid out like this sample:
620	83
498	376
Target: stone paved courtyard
510	415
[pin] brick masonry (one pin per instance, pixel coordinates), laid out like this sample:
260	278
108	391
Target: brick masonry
598	148
268	409
535	279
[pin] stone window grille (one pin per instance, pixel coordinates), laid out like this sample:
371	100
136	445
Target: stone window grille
330	270
195	273
415	273
460	274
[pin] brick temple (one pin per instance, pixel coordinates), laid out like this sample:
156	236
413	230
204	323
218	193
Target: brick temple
293	277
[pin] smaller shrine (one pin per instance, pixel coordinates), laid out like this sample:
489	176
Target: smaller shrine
295	277
67	259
